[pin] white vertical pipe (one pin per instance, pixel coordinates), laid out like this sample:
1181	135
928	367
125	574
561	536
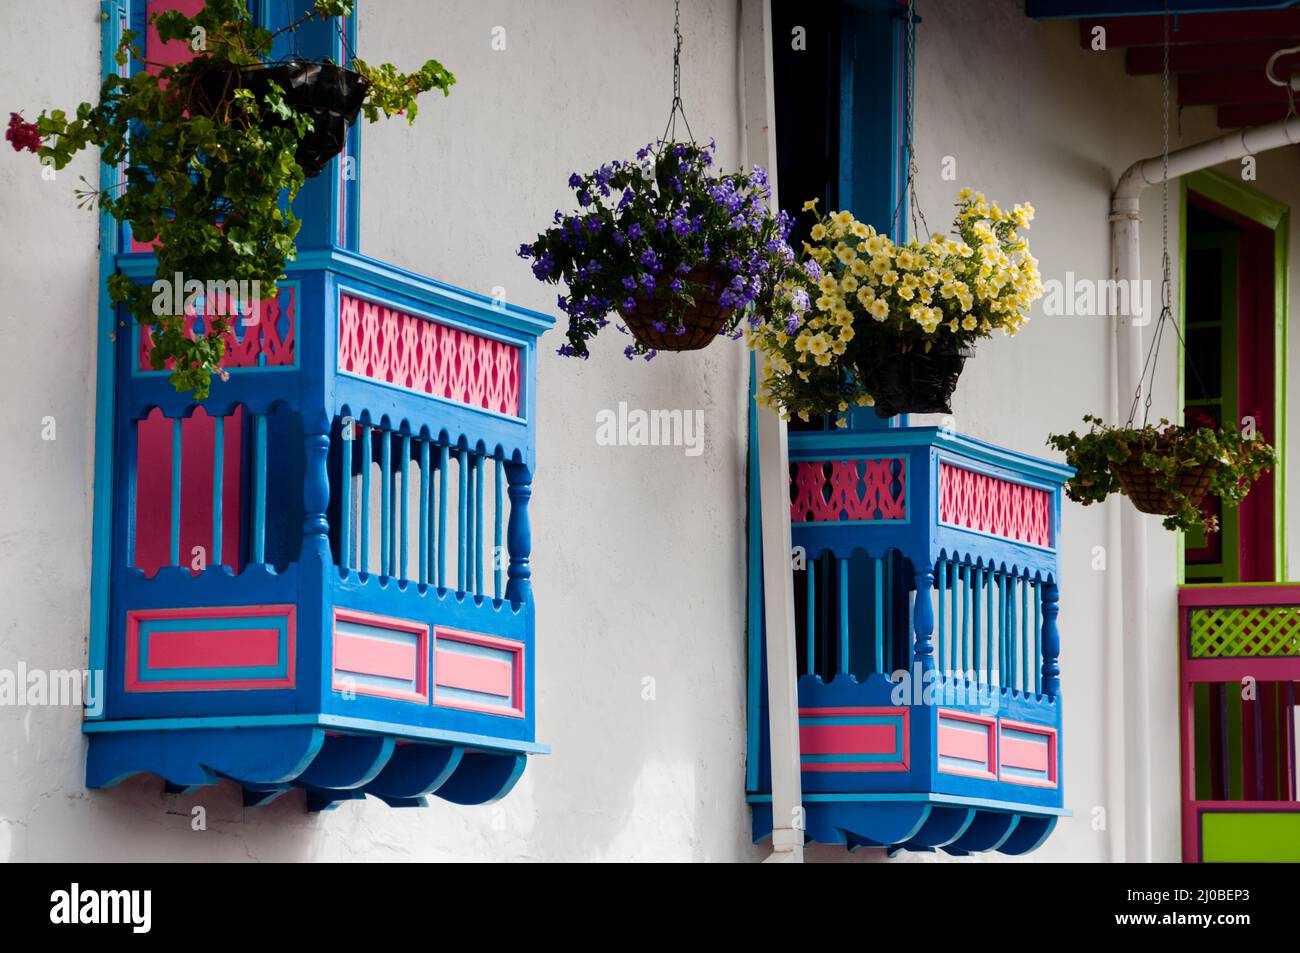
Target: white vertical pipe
1134	734
759	115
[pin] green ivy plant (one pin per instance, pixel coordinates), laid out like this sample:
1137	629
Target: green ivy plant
205	181
1168	451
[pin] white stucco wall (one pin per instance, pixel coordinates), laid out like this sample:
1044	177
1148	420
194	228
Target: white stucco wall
638	552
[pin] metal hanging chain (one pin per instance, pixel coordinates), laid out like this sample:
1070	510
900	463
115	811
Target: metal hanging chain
909	192
1147	379
670	130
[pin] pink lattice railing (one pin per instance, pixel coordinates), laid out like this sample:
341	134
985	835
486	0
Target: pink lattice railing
989	505
259	344
427	357
855	490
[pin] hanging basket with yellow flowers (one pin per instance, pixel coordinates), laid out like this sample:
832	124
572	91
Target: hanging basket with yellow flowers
865	321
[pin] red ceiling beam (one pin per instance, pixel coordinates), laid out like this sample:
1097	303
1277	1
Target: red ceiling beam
1252	114
1264	25
1211	57
1221	89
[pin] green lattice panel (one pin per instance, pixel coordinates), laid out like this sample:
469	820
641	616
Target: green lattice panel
1246	632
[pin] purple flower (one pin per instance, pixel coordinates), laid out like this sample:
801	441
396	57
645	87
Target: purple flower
659	326
634	231
575	180
629	283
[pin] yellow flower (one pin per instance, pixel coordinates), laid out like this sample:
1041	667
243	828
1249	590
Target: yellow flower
843	219
828	283
968	323
825	303
859	230
889	278
811	205
846	255
859	267
817	232
879	309
874	245
849	283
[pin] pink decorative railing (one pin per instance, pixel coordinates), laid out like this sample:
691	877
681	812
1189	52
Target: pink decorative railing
987	504
418	354
854	490
262	337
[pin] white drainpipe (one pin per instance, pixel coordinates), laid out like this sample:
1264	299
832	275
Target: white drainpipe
1125	222
758	113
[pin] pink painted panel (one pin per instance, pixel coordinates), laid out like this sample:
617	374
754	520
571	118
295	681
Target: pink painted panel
987	504
206	650
846	739
258	343
1036	754
473	673
970	738
452	674
214	649
153	492
1020	753
376	657
856	490
415	353
377	654
966	743
154	489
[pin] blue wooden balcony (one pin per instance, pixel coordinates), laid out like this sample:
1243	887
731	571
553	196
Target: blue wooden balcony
319	576
926	597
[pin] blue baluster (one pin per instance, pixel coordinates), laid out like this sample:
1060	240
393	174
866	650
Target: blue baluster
1051	640
519	538
844	614
424	512
367	461
498	484
878	656
347	433
316	492
444	482
923	620
810	636
1028	665
385	504
1038	637
177	450
218	484
478	523
259	488
966	619
462	522
406	498
940	576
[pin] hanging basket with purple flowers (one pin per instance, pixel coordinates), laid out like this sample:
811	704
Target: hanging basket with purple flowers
680	253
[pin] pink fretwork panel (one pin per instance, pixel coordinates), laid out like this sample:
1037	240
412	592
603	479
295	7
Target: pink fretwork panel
855	490
264	343
984	503
424	356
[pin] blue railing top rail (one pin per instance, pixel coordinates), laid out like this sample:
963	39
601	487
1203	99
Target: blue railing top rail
445	297
811	445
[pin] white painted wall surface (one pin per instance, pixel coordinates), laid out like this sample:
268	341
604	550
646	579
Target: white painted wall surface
638	552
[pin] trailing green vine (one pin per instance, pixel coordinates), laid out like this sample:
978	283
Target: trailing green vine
207	161
1168	452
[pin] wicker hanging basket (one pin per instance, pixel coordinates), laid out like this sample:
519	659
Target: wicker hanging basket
701	323
1139	482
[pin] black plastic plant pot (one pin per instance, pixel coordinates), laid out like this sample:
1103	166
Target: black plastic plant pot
915	381
329	95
